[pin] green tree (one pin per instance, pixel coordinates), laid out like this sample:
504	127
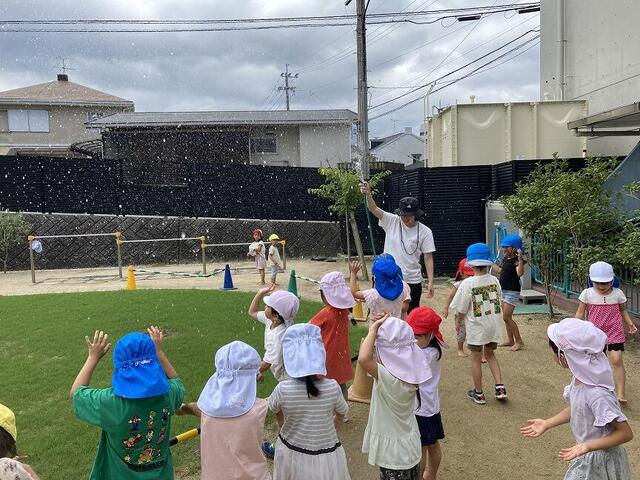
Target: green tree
342	188
565	211
13	229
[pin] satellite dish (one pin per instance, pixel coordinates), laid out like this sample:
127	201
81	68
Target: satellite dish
36	246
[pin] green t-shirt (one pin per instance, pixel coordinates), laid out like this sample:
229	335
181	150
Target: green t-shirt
134	444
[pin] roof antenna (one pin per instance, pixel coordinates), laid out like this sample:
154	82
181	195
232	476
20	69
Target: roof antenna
63	77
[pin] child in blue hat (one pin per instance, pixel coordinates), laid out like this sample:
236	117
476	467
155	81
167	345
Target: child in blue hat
391	294
511	268
135	413
477	303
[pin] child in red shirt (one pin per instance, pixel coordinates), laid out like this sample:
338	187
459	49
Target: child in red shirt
333	321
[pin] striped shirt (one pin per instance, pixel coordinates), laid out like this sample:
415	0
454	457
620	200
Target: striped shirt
308	422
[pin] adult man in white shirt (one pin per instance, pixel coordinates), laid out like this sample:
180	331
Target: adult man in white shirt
406	239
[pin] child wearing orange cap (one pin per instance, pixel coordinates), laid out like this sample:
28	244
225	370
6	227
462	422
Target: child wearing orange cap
425	324
464	271
10	466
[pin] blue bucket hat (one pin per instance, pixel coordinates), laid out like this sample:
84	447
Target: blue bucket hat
479	255
387	276
512	240
136	370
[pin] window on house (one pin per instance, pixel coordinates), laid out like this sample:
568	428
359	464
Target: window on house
264	145
416	157
91	116
28	120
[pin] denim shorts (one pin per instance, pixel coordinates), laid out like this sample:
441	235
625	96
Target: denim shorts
511	297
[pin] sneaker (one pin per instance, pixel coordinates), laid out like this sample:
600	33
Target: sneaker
476	397
501	392
268	450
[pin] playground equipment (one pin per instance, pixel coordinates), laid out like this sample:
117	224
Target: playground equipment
293	286
217	245
32	239
131	278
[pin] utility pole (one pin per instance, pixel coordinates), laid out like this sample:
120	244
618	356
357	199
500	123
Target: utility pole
363	113
286	87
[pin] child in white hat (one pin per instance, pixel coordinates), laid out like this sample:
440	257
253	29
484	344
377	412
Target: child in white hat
10	466
333	321
597	423
280	312
231	415
604	305
309	410
392	437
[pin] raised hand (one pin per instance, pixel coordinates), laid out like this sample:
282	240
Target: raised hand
157	336
99	346
365	188
355	267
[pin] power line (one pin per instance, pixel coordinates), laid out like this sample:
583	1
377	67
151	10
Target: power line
456	70
472	73
16	26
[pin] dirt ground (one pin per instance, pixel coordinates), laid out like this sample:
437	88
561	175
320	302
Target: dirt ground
481	441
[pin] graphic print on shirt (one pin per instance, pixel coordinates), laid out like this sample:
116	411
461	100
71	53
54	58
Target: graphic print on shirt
130	443
135	423
485	300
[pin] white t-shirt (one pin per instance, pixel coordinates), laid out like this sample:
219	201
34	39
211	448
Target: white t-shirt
274	256
591	296
478	297
378	304
13	470
429	395
592	410
273	346
406	245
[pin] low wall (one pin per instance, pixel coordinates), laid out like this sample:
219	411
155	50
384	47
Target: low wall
304	239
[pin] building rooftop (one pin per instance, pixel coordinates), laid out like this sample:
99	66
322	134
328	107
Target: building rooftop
178	119
61	92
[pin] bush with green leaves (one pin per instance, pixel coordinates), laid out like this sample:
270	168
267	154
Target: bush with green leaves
13	230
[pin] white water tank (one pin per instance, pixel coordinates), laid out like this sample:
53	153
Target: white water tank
492	133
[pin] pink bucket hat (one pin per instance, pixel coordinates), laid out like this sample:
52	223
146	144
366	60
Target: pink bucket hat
285	303
583	346
399	352
335	290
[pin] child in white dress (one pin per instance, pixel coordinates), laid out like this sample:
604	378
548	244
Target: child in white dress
597	423
257	251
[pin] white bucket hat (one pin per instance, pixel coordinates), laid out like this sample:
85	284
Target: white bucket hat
285	303
583	346
335	290
231	391
601	272
399	352
303	351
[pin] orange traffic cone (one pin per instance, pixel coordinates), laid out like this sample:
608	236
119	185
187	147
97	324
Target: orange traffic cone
131	278
360	390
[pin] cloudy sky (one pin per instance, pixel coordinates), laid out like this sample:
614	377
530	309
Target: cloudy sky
241	70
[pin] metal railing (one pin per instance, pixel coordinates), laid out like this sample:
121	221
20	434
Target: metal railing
562	279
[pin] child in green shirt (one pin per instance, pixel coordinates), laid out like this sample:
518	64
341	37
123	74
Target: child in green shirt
135	413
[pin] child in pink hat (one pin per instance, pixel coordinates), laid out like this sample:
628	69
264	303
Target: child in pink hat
597	422
333	321
392	437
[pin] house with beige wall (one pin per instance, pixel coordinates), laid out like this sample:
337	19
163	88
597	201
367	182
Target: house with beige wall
48	118
157	146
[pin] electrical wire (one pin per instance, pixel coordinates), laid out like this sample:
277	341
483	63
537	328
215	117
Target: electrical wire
472	73
455	70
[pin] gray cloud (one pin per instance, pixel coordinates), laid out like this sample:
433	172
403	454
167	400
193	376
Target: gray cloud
241	70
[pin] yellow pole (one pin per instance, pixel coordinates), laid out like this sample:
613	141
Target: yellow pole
119	252
203	247
32	259
284	254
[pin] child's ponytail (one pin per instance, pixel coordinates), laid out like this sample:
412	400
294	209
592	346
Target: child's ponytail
435	344
312	390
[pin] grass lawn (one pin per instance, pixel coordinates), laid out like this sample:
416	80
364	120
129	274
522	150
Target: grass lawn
42	348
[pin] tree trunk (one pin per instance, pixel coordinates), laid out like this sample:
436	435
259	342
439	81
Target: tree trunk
358	242
346	227
546	277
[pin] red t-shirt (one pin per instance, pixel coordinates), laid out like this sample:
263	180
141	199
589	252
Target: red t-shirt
334	326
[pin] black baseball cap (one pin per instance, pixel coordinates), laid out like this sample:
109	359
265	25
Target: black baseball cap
409	206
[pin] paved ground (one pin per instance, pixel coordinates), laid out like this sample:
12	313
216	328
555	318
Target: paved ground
481	441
